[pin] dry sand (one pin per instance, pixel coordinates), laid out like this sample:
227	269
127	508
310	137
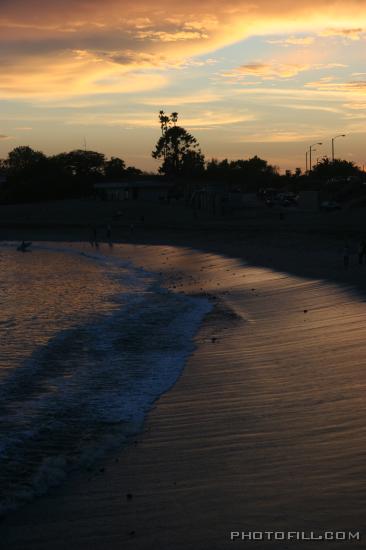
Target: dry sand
264	430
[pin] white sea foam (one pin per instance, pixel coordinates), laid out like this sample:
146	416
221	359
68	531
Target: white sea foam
88	385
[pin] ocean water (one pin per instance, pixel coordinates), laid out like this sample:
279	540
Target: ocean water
88	343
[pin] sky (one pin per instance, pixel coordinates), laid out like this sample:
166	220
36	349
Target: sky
248	77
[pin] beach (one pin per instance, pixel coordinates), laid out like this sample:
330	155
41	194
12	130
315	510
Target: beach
183	275
264	430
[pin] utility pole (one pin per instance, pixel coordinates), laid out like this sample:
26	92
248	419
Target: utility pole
333	139
310	151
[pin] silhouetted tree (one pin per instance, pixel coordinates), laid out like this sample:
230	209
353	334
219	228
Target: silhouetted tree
31	175
193	164
326	169
132	172
82	164
248	174
218	169
179	149
24	163
3	170
26	172
115	169
81	167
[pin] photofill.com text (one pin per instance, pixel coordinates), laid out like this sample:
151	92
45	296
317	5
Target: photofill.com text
255	536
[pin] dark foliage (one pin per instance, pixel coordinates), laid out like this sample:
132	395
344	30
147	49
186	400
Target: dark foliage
327	170
32	176
27	175
242	174
178	149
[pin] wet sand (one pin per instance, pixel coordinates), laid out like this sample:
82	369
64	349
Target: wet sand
265	430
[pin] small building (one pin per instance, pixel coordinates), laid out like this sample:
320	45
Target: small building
218	200
149	190
210	198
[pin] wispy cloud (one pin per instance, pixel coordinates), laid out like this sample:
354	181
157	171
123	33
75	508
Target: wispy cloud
177	36
187	99
269	94
313	107
137	119
267	70
356	106
274	70
350	34
73	47
278	136
293	41
324	84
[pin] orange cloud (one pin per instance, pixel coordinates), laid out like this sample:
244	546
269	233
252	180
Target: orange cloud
294	41
197	97
268	70
273	70
278	136
324	84
355	106
172	36
72	47
351	34
136	119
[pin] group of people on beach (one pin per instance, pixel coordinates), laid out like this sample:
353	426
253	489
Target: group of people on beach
94	241
361	252
94	237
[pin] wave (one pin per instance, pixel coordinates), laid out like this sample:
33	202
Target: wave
89	388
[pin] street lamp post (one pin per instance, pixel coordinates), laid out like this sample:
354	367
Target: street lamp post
307	155
310	151
333	139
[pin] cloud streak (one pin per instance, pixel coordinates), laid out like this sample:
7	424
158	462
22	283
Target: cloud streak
274	70
350	34
268	71
75	47
294	41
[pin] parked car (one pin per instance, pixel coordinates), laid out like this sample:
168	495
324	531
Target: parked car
287	199
330	205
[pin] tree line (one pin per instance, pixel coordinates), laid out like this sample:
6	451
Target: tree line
182	156
31	175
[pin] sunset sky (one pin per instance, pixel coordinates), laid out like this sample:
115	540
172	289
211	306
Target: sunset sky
247	77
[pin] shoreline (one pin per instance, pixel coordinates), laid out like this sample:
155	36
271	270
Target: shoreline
157	469
297	252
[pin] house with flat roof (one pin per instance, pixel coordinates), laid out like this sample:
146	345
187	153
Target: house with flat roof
149	190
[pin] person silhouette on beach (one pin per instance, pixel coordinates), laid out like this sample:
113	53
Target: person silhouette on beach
346	253
109	234
93	236
24	246
361	252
